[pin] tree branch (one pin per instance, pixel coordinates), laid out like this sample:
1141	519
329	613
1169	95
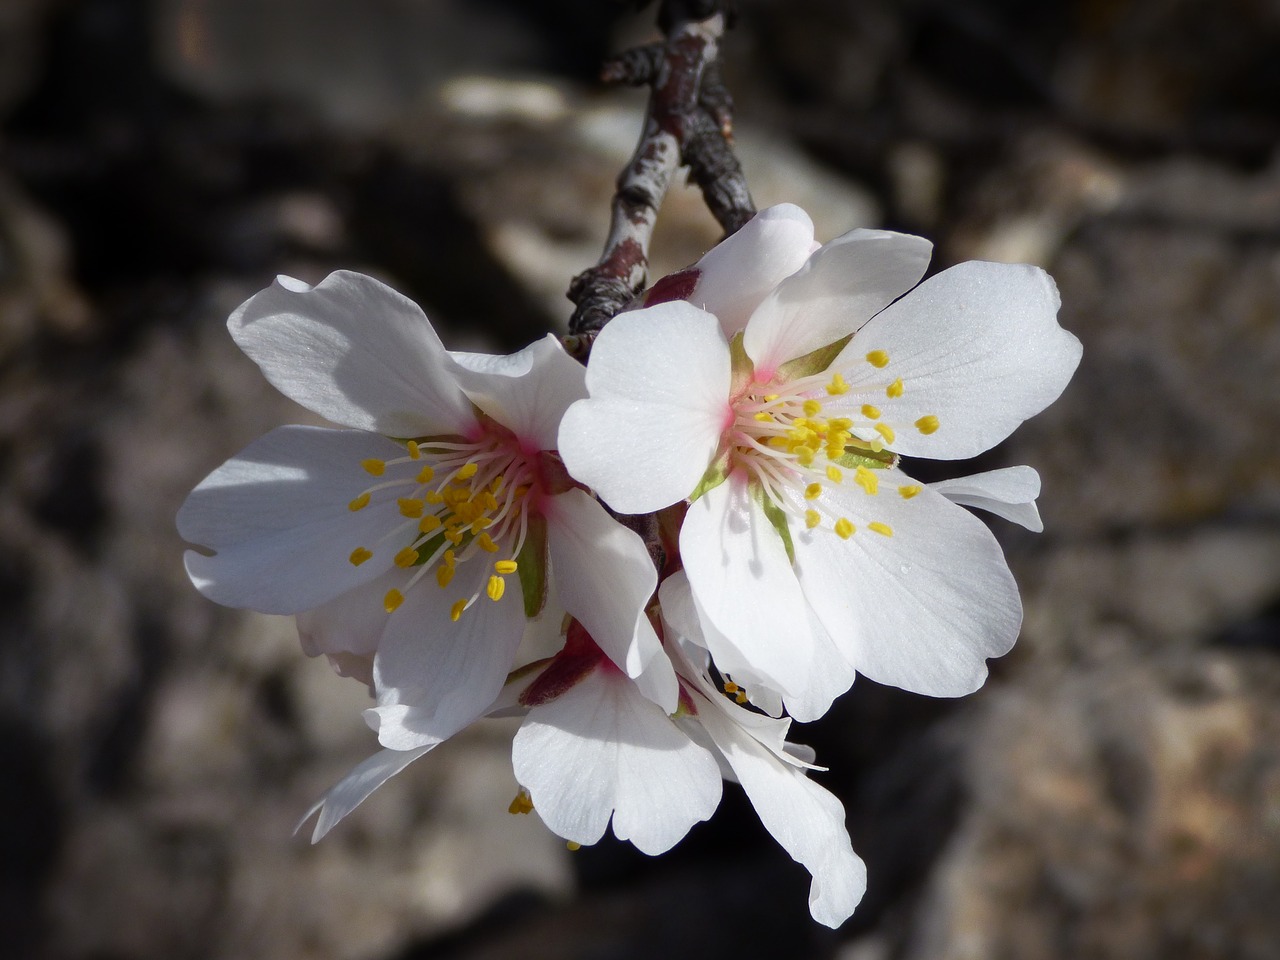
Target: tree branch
688	120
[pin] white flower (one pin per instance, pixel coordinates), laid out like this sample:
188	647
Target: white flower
778	405
421	536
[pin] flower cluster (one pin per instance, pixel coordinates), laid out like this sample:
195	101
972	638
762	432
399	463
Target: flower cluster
448	544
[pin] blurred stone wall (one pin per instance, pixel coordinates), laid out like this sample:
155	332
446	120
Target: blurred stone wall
1113	792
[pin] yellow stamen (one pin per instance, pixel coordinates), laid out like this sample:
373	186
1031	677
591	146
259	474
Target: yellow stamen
359	555
870	412
429	524
573	845
374	467
812	408
867	480
844	529
468	471
454	537
834	474
837	385
359	503
881	528
406	557
741	697
764	417
444	575
433	497
878	359
770	397
731	687
486	543
895	389
909	492
811	519
927	425
392	600
414	452
455	612
505	566
426	475
409	506
885	431
813	491
523	803
496	588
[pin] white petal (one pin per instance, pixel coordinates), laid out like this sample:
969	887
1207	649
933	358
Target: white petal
843	285
603	749
739	272
1009	493
745	588
659	383
356	352
978	346
922	609
527	392
357	785
351	622
605	578
277	515
434	676
804	818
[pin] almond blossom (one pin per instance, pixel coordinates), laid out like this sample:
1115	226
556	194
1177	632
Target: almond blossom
414	545
777	397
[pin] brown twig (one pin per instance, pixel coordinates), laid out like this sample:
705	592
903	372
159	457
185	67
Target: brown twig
688	120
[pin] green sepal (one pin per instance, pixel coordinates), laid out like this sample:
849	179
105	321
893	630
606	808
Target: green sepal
778	520
531	566
811	363
740	365
716	474
870	459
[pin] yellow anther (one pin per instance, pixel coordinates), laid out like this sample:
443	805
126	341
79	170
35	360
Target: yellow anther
410	506
895	389
433	498
455	612
731	687
454	537
481	524
811	519
927	424
359	555
426	475
813	491
840	423
867	480
844	529
834	474
450	559
764	417
444	574
486	543
359	503
414	451
505	566
521	490
881	528
392	600
523	803
468	471
878	359
837	385
406	557
741	697
885	431
910	491
373	467
777	442
812	408
429	524
870	412
496	588
573	846
875	446
805	455
496	487
489	501
769	397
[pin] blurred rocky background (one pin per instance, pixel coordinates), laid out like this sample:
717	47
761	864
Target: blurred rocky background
1113	792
